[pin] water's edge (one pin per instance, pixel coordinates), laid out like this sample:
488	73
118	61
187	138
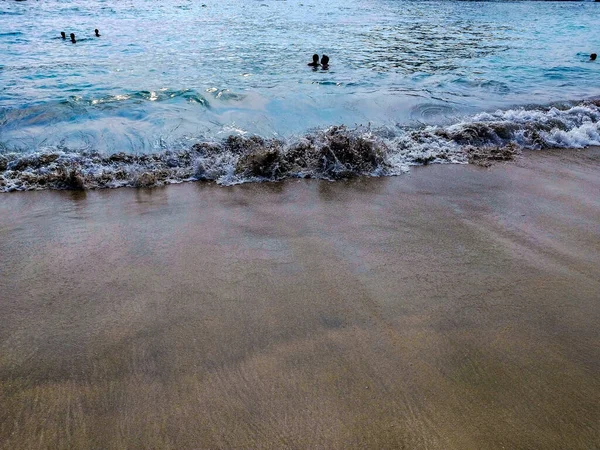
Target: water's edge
335	153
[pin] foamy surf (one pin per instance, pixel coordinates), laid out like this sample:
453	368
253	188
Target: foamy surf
335	153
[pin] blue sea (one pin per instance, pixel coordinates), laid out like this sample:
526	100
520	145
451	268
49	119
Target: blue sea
213	90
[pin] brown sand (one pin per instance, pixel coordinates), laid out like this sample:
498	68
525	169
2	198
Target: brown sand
452	308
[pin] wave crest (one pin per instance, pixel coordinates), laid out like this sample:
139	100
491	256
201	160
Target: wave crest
335	153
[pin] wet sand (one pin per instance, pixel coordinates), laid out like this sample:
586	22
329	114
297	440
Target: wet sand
455	307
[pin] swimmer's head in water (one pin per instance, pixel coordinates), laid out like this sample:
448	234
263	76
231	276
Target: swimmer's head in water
325	60
97	32
593	57
73	38
315	61
63	35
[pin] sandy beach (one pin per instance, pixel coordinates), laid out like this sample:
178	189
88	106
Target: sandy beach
455	307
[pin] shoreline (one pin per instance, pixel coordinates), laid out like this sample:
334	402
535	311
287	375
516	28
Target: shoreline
452	307
333	153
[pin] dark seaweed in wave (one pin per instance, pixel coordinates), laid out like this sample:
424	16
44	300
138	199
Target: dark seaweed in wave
332	154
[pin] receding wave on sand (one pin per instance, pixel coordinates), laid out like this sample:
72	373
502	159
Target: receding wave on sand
335	153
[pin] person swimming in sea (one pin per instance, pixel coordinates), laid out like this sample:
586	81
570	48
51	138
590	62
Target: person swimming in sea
97	32
593	57
63	35
73	38
325	62
315	61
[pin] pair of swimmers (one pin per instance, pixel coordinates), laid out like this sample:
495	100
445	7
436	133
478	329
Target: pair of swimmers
64	35
324	61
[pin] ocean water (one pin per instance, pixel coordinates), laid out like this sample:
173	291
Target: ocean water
220	90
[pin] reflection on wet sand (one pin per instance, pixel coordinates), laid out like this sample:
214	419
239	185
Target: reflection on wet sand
452	308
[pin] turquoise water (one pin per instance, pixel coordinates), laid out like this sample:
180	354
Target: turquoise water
164	76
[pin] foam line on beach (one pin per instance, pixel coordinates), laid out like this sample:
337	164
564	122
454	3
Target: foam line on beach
335	153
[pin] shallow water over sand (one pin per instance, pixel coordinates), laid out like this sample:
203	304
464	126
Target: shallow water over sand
454	308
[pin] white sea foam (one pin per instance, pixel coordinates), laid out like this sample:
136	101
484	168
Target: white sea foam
335	153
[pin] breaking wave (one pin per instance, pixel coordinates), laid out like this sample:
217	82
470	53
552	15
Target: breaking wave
335	153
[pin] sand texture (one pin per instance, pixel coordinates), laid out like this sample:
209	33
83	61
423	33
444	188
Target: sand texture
456	307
